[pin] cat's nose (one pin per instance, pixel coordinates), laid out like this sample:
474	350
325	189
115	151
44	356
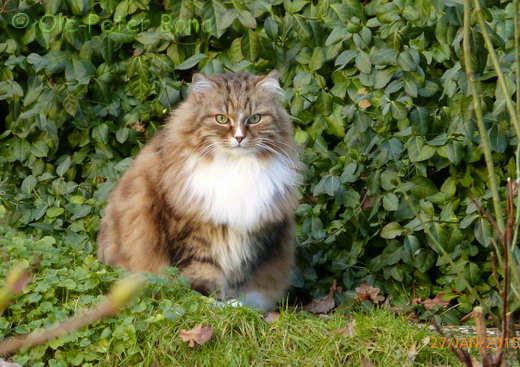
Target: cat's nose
239	138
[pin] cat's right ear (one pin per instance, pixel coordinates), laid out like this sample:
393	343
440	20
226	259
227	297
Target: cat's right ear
200	84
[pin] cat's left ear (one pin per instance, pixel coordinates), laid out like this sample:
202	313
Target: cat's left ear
200	84
270	81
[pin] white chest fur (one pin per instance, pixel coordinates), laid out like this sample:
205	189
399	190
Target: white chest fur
239	191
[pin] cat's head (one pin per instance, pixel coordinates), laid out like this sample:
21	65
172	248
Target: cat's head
239	113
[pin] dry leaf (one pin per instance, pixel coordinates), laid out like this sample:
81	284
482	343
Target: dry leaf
322	305
347	330
137	126
200	334
364	103
271	317
367	292
366	362
437	301
412	353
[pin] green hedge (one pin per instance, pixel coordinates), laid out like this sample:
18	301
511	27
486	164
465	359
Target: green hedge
378	94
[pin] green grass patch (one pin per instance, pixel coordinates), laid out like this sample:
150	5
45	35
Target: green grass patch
66	281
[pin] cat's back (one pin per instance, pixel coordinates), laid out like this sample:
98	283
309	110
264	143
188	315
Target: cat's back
135	196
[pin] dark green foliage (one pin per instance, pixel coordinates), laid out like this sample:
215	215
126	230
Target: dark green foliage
379	97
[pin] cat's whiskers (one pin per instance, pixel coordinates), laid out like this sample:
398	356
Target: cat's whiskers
282	156
263	142
274	142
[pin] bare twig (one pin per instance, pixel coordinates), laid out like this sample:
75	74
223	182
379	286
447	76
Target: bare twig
480	119
120	294
480	324
2	9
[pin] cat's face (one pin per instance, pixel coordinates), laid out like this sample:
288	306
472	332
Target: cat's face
239	113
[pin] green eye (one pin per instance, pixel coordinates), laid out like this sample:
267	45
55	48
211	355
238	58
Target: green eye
254	119
221	119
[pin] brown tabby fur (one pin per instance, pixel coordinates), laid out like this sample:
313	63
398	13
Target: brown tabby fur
153	219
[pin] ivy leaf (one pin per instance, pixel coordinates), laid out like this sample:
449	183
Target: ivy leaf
497	139
191	61
28	184
63	167
391	230
329	184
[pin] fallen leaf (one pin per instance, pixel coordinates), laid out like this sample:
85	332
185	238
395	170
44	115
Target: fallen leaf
347	330
412	353
364	103
437	301
475	363
366	362
367	292
271	317
322	305
200	334
137	126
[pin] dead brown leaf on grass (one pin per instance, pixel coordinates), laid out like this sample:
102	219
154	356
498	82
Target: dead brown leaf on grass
271	317
411	353
437	301
200	334
367	292
322	305
348	330
365	362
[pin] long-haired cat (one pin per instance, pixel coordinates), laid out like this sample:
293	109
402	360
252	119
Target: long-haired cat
213	193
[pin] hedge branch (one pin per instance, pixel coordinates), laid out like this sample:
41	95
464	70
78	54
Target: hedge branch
480	119
120	294
516	21
496	66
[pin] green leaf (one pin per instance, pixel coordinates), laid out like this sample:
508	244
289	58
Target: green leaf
40	149
317	59
191	61
246	19
420	119
250	45
55	212
70	103
28	184
390	202
363	62
391	230
344	58
498	139
329	184
472	273
455	152
63	167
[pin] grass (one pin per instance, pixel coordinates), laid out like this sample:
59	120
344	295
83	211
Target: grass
66	281
242	338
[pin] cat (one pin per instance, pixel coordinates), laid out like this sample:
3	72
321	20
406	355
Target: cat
213	193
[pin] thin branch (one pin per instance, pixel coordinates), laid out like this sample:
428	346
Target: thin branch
480	119
496	65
